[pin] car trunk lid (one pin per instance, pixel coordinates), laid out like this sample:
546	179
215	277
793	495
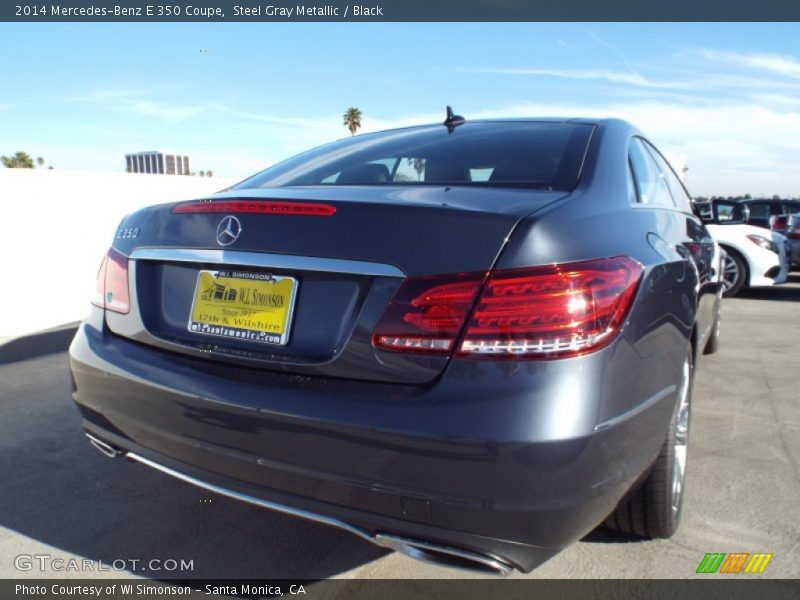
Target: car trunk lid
346	265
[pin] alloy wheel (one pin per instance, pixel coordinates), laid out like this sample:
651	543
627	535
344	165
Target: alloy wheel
681	439
730	273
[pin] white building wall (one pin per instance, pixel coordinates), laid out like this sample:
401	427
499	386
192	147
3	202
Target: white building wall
56	226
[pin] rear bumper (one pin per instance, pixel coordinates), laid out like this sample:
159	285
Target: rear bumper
476	462
416	548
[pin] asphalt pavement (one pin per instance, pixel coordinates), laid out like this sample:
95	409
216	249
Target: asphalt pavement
63	500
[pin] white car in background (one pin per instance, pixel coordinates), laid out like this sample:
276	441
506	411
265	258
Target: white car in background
754	257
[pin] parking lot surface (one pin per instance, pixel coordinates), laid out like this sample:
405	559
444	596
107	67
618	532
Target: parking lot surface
62	499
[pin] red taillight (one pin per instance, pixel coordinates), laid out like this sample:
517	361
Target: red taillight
537	312
111	287
559	310
262	207
427	313
778	223
794	232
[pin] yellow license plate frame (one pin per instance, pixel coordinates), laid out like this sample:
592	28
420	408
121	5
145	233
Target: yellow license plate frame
245	306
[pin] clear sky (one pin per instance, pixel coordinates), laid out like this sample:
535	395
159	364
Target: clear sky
238	97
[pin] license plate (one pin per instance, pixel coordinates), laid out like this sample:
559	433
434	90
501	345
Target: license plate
255	307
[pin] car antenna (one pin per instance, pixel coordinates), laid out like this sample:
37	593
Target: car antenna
452	121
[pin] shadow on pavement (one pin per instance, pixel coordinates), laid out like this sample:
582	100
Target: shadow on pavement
41	343
58	491
782	293
601	535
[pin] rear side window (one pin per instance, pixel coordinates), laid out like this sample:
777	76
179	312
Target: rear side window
526	154
651	184
676	189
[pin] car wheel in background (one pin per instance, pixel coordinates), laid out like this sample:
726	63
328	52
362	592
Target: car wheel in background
653	508
734	273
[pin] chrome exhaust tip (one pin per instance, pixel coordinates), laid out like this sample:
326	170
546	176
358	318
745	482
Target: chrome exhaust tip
107	449
444	556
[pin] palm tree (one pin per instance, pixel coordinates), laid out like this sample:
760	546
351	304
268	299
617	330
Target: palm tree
40	161
20	160
418	164
352	119
209	173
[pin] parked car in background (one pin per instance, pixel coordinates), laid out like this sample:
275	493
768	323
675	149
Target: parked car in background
791	230
754	256
761	210
470	342
779	223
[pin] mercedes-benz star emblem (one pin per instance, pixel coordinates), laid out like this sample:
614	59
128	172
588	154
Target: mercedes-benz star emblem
228	230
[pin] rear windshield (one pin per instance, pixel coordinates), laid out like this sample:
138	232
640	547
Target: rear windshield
536	155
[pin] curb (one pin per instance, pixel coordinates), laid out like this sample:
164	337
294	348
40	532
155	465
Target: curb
37	344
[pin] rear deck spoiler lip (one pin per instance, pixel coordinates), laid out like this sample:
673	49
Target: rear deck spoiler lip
267	261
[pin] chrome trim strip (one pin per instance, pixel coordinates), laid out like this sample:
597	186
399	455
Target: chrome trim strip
267	261
636	409
415	549
293	512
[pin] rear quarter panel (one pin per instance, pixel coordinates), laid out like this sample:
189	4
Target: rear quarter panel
674	296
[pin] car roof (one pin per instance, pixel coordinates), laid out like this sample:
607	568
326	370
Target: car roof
753	200
608	122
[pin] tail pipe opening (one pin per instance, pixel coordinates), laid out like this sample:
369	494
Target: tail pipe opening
444	556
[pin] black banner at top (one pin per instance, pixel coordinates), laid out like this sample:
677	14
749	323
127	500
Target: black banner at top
151	11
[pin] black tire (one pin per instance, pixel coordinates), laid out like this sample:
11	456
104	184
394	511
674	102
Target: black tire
653	508
712	345
733	261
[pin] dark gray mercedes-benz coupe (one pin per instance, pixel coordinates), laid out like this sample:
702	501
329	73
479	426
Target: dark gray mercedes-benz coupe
471	342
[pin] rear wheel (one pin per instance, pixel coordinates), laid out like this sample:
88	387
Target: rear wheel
734	273
653	509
